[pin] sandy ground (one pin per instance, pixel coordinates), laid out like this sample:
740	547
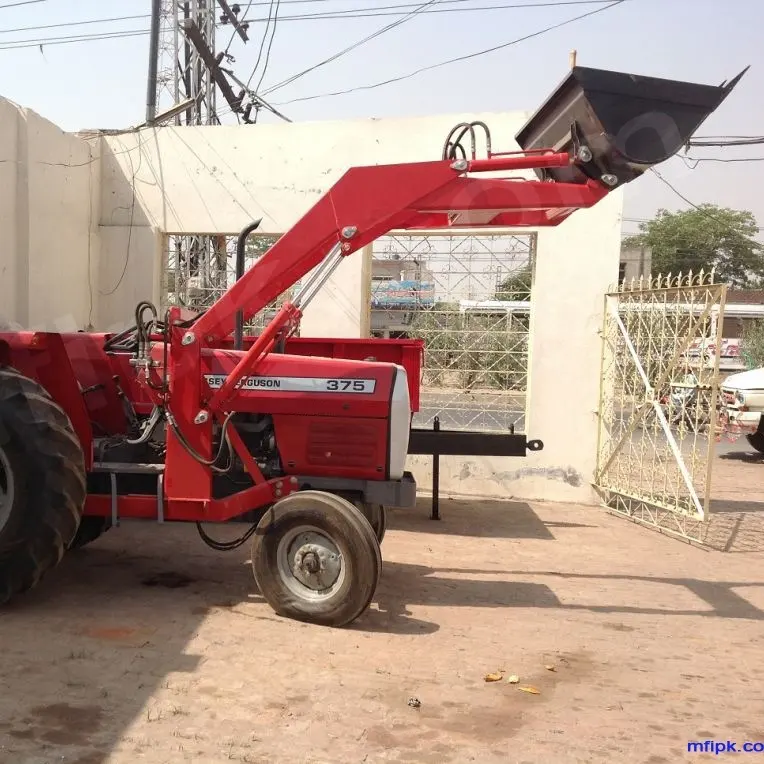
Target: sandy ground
147	646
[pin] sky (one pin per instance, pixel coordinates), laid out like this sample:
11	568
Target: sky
102	83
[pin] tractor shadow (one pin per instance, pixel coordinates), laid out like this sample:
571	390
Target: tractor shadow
485	518
116	647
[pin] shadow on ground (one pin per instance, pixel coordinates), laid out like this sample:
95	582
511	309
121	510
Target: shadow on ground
736	526
84	653
749	457
482	518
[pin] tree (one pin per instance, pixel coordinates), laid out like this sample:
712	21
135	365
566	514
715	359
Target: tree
517	286
752	345
258	245
705	237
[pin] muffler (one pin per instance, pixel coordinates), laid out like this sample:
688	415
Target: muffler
618	125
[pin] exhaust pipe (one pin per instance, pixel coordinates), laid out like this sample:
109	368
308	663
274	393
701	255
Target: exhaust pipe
617	125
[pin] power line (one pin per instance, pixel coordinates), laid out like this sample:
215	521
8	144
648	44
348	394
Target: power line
732	160
22	2
75	23
346	14
355	45
457	59
700	209
753	140
233	33
270	45
262	43
17	44
395	10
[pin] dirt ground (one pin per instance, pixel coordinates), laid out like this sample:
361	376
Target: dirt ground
148	646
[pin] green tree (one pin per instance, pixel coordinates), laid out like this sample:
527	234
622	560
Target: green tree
752	345
705	237
517	286
258	245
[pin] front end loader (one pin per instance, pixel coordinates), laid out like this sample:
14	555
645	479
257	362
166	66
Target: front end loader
181	418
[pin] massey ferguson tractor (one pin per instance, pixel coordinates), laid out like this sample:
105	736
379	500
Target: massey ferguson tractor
181	418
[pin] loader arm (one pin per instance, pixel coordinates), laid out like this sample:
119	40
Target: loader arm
599	130
368	202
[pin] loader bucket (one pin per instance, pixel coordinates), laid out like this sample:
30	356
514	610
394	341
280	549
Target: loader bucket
627	122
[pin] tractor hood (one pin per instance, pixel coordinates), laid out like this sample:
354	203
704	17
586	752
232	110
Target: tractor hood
622	124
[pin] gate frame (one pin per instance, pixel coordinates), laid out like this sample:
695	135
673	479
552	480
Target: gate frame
645	509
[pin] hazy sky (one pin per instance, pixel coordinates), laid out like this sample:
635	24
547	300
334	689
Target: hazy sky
103	83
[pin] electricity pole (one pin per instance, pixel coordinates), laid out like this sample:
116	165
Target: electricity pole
184	77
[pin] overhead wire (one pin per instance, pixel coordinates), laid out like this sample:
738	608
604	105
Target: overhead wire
349	48
752	140
343	14
262	44
697	207
270	45
233	33
21	2
454	60
107	20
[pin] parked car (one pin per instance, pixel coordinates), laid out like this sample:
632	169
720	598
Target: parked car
742	398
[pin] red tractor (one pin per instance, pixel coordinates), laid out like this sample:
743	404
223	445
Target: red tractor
182	418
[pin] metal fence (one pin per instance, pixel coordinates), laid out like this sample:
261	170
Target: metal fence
659	401
468	298
198	269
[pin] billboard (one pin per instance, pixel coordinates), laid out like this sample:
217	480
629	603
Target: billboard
402	294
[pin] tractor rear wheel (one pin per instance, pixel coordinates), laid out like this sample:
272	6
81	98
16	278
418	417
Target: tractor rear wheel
42	483
316	558
91	528
376	515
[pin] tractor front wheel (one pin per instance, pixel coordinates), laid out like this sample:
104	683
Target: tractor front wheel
316	558
42	483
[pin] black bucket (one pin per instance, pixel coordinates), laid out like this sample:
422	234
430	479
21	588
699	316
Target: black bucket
618	125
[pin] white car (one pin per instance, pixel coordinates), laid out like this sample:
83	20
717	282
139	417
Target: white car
742	398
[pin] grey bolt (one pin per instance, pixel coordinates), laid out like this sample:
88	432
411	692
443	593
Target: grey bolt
348	232
188	338
201	417
460	164
585	154
610	180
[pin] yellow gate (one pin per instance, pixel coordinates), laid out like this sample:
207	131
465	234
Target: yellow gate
659	401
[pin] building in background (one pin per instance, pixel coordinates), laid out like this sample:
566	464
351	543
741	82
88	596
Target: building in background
399	288
635	262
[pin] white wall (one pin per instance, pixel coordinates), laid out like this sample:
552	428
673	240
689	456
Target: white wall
48	191
576	263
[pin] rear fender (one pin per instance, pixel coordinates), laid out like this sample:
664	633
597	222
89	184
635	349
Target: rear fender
42	356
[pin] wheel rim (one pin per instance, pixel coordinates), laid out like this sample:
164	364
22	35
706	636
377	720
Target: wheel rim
309	563
7	489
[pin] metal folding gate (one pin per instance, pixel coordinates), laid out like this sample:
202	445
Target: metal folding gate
659	401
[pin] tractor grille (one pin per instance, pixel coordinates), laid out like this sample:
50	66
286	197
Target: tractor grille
339	443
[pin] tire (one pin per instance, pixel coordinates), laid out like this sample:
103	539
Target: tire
376	515
320	523
42	476
90	529
756	439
